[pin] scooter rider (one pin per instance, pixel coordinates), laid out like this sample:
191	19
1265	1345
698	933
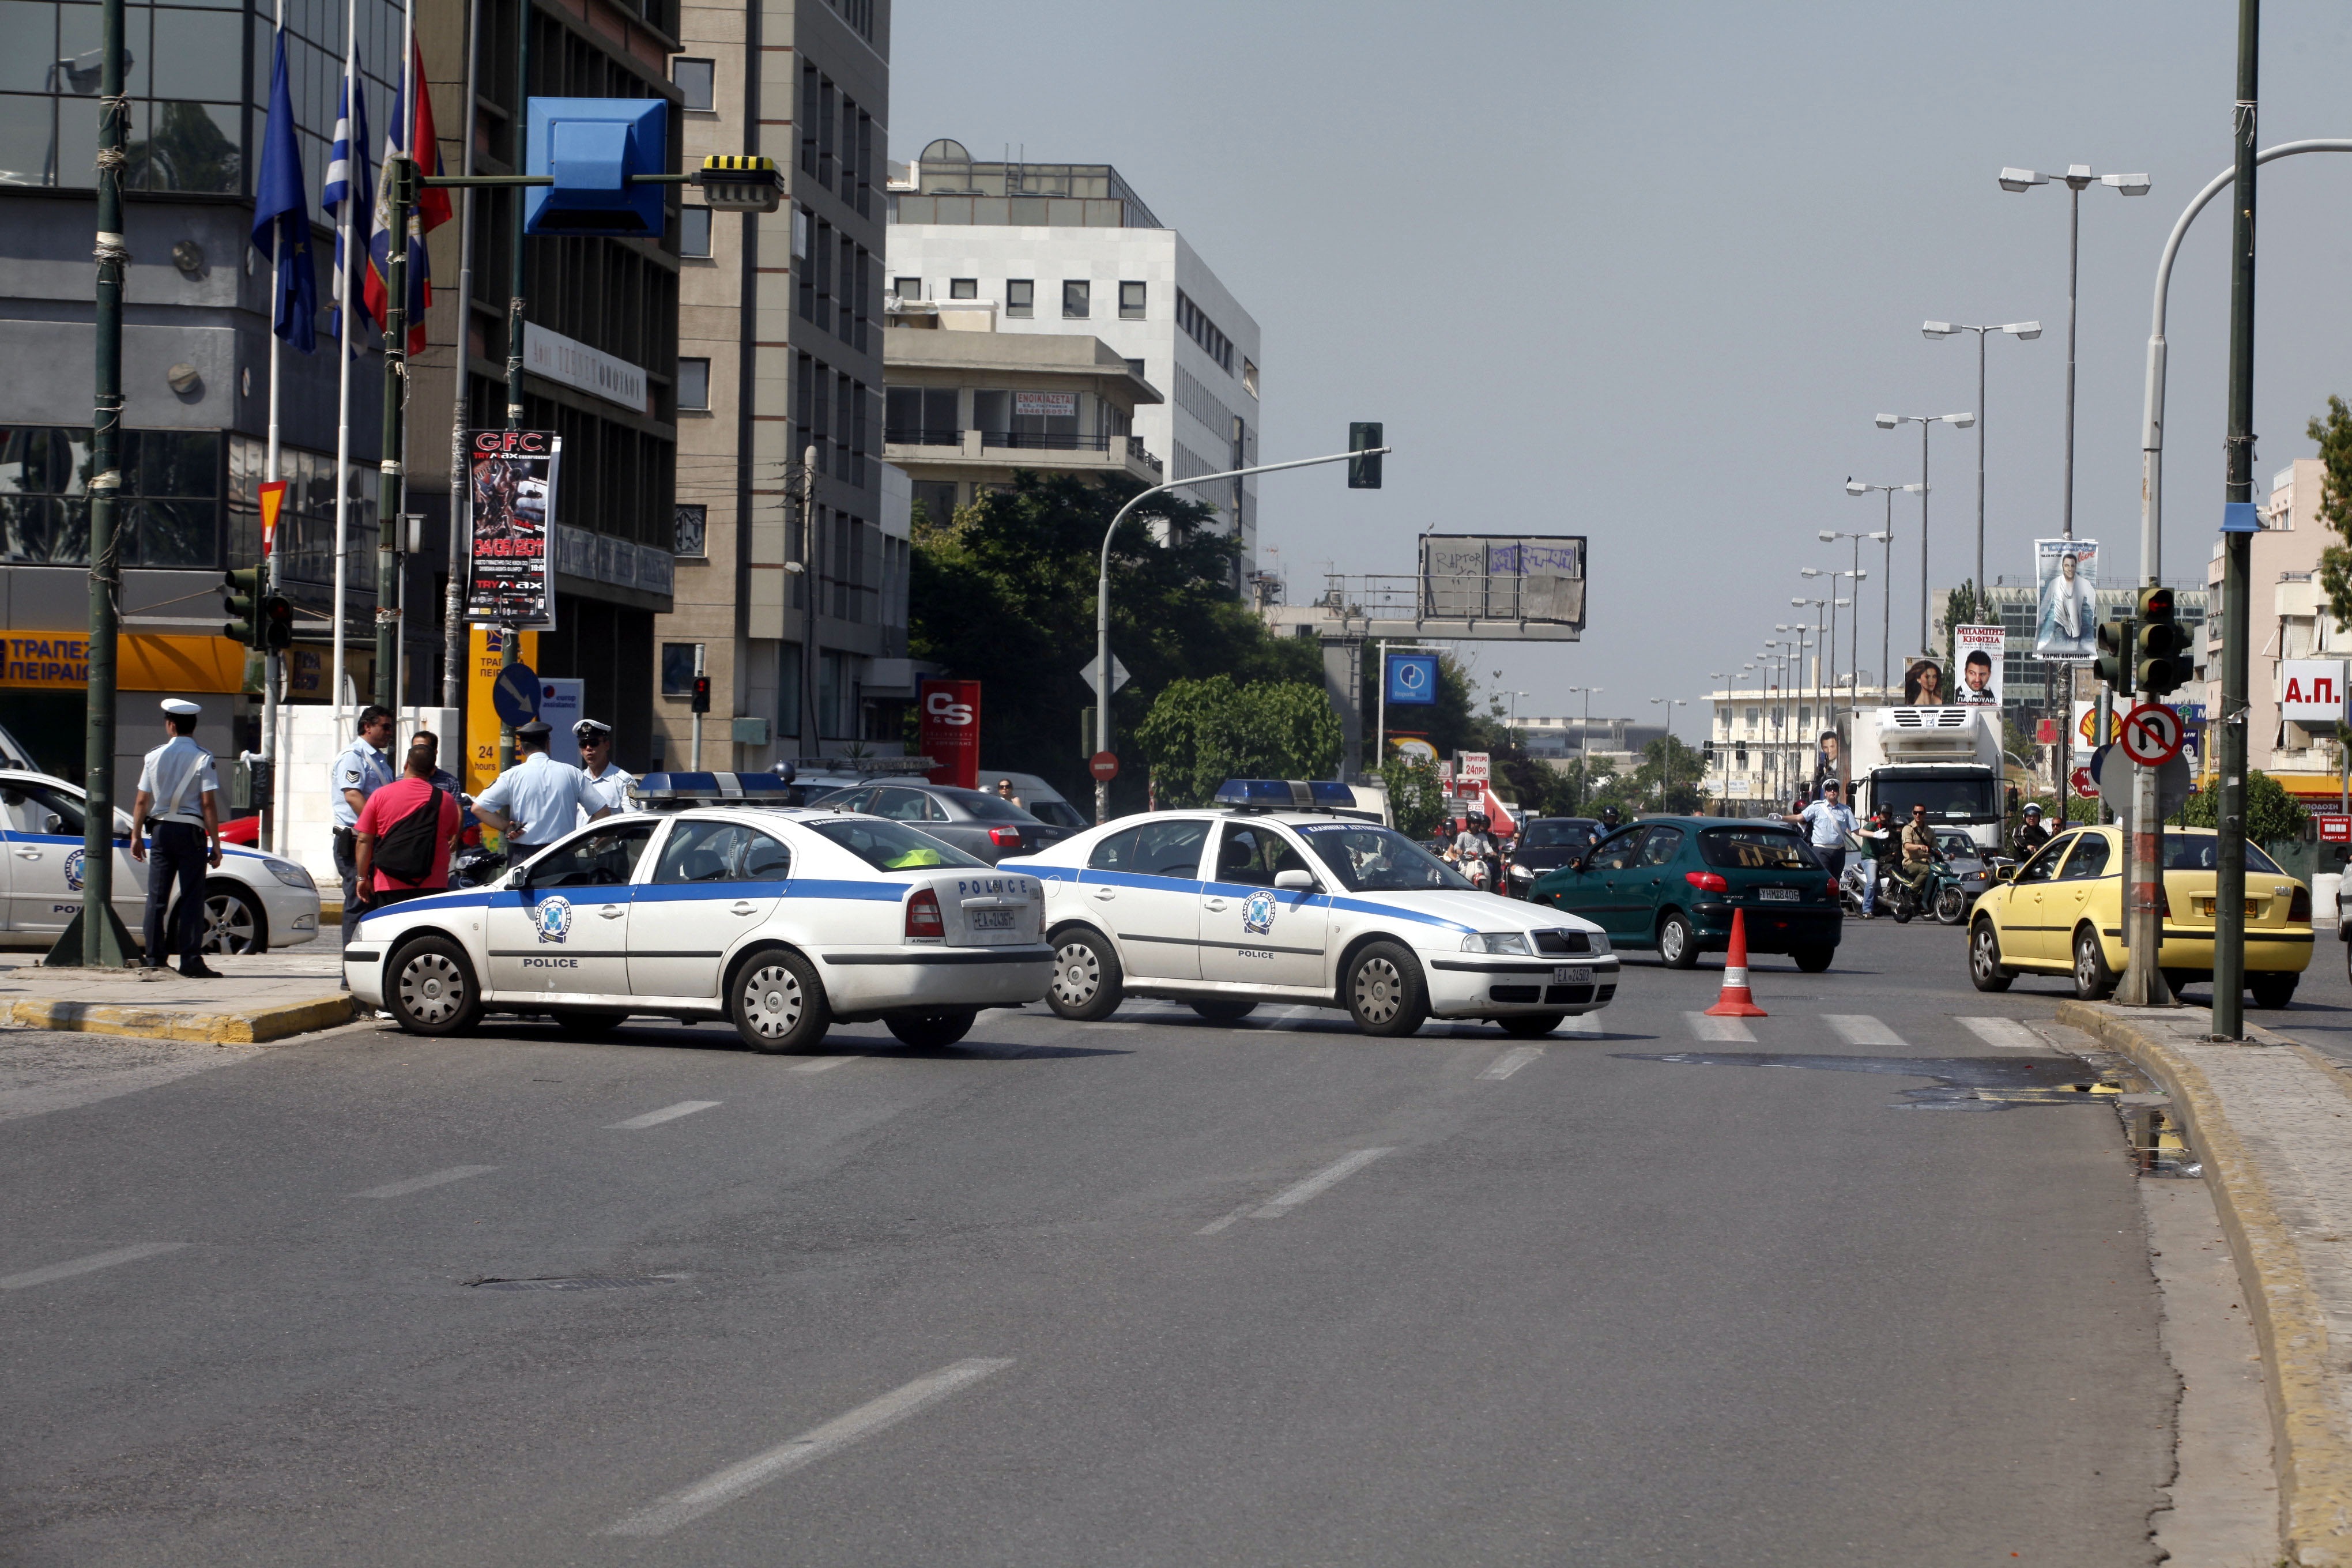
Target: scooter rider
2031	835
1918	846
1476	843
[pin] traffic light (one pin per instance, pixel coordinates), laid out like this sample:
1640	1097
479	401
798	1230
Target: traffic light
2114	660
2163	646
701	694
1364	473
240	596
277	623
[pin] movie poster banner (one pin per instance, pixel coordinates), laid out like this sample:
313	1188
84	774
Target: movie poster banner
510	562
2066	622
1976	654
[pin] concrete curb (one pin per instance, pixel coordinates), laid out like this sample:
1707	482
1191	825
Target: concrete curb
253	1027
2308	1390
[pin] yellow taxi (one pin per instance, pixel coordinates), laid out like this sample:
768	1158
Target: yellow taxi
2062	912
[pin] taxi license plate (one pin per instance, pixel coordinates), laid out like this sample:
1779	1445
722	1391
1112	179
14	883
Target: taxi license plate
991	920
1777	895
1564	975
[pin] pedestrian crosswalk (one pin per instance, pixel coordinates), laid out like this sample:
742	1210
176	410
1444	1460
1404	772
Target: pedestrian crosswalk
1860	1029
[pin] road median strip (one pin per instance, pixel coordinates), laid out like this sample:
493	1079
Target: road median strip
2272	1120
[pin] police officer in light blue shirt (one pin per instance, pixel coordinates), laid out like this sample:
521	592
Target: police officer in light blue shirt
538	800
358	772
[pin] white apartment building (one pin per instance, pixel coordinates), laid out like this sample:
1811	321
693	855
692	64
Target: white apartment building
1070	248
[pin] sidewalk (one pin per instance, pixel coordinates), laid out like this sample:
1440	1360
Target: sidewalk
271	998
2272	1121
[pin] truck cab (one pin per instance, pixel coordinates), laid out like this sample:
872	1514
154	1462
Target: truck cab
1947	759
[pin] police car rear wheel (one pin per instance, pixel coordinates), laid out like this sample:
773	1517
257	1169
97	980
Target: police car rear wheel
1384	991
1087	985
232	922
932	1031
777	1004
432	990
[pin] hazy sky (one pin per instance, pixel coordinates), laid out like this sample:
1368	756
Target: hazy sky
1645	273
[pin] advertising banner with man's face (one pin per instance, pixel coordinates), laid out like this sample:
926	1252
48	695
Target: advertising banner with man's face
1976	654
2066	619
510	562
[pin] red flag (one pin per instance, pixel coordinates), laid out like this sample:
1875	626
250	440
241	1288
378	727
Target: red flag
432	210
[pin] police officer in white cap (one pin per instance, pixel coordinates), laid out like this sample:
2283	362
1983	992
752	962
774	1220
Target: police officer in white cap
608	781
537	800
179	794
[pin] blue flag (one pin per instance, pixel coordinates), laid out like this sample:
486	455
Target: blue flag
351	189
281	212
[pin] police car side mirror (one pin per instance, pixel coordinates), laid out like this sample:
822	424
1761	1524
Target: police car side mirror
1294	880
518	878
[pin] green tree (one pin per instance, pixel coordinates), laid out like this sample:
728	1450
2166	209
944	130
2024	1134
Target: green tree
2333	435
2273	815
1200	733
1416	800
1003	593
1678	766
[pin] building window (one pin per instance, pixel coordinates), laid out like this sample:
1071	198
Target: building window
693	383
1077	297
1203	331
677	669
688	529
906	288
694	231
963	287
694	79
1130	301
1249	376
1021	297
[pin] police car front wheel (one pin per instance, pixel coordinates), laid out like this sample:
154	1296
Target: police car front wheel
777	1004
1384	991
432	990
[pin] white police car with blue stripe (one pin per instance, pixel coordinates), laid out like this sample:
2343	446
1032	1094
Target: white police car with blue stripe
1279	897
715	903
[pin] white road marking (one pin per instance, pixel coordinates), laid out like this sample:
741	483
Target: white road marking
2004	1032
1321	1181
667	1113
821	1064
690	1504
1581	1024
1707	1028
1111	1025
1860	1029
1215	1225
96	1260
1512	1060
418	1184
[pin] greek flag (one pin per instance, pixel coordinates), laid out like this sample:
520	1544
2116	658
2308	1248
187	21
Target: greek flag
349	181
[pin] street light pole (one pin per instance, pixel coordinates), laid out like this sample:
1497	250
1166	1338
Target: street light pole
1885	537
1667	752
2025	332
1888	421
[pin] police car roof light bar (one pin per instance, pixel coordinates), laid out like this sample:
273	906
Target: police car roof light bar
706	789
1285	794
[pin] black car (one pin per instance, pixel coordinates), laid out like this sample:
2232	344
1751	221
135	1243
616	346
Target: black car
1548	843
975	821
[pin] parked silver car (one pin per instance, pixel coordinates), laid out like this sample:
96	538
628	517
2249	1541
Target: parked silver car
974	821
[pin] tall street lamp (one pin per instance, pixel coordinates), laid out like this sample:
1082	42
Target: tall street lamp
2025	332
1885	537
2078	178
1853	638
1584	746
1666	757
1888	421
1857	576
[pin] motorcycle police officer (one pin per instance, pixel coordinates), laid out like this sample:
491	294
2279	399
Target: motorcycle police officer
538	800
2031	835
179	792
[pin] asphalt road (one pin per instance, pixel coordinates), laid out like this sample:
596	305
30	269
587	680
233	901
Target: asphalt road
1138	1292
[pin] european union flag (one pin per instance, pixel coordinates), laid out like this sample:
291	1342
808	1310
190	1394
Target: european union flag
282	217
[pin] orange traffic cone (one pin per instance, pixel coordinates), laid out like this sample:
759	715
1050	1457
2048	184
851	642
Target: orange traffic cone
1736	1002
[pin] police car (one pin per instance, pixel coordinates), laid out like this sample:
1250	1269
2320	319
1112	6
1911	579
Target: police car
718	902
253	902
1278	897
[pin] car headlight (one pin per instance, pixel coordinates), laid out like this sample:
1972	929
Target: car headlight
1598	940
1519	870
1494	942
290	874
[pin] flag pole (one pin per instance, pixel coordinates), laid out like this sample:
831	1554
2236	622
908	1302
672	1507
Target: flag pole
356	148
455	648
268	574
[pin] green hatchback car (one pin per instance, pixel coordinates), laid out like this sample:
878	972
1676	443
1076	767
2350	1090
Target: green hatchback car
1672	883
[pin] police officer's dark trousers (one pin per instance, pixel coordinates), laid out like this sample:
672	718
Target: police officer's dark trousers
176	857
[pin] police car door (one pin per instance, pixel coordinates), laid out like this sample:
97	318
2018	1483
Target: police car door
44	828
1251	931
567	935
716	882
1144	888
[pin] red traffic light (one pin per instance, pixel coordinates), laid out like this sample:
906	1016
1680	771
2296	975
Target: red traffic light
701	694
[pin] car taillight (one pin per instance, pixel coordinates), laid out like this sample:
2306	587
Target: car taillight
923	915
2300	908
1832	888
1005	837
1706	881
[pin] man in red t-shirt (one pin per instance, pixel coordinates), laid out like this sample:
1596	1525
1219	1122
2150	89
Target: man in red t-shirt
406	831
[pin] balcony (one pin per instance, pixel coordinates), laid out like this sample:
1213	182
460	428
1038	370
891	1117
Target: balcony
915	436
1034	441
934	453
1137	453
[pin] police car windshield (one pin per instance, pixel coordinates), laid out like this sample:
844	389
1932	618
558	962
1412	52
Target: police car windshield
1376	860
889	846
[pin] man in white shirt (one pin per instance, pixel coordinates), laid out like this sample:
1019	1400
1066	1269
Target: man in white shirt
1828	822
537	801
608	781
179	792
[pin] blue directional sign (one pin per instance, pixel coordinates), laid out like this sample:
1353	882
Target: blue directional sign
515	694
592	146
1412	677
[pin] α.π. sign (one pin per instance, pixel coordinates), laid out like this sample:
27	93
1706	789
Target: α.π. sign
2311	691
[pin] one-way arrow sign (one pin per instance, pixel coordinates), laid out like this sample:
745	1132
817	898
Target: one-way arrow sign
1117	674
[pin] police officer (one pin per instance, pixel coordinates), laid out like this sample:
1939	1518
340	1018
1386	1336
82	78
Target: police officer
537	800
362	769
179	792
2031	835
608	781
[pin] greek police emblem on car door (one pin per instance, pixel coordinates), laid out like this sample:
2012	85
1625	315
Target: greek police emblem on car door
1257	915
555	920
73	871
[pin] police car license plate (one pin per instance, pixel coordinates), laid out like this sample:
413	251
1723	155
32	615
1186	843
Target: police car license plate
1777	895
1565	975
991	920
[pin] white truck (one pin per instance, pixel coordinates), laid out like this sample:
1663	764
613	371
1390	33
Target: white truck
1947	759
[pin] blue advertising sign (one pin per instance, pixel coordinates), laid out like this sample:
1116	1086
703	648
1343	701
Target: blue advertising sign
1412	677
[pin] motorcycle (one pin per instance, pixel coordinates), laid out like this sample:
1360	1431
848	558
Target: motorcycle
1946	895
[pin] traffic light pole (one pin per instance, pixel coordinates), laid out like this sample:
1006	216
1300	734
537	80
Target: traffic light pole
2229	873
